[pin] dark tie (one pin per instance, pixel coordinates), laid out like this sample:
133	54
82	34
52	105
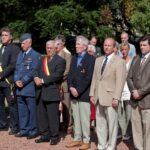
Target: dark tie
24	55
50	59
1	53
104	64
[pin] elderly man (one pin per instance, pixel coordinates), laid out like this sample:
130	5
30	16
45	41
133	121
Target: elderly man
139	86
91	50
93	42
106	88
27	61
125	38
79	80
65	54
48	77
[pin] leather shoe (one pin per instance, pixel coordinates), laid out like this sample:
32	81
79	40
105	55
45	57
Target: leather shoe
74	144
32	136
41	140
3	129
85	146
126	137
20	135
12	132
70	130
54	142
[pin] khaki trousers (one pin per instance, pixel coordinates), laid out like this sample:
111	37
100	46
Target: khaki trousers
141	128
124	118
67	114
81	116
106	127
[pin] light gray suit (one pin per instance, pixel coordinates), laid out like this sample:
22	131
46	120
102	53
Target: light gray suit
105	88
139	78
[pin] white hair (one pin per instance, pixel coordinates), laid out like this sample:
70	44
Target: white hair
91	48
82	40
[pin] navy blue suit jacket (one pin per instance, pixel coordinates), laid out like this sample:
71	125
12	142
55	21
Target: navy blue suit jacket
80	76
9	59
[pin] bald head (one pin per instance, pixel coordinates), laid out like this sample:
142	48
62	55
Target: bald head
124	37
109	46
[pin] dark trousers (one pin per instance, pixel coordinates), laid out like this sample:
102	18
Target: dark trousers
5	92
27	115
48	119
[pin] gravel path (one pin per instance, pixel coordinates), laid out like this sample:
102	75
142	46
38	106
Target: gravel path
9	142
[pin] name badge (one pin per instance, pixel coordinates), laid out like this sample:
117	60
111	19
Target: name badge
28	67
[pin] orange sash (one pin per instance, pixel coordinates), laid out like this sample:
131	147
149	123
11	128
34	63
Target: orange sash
45	66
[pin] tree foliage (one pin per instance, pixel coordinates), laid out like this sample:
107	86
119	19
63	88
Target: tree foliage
141	17
47	18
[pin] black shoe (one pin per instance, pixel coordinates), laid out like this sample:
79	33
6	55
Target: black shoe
3	129
119	137
54	142
32	136
13	132
20	135
41	140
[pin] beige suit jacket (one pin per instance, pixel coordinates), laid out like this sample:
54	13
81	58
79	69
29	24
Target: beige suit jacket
110	84
67	56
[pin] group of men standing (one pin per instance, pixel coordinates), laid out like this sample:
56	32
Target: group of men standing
41	82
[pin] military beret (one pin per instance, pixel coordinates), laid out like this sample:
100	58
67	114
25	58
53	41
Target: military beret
25	36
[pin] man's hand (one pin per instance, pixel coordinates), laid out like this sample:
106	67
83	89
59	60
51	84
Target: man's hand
74	92
115	103
136	95
92	100
38	81
19	83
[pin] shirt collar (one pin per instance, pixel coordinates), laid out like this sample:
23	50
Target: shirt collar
146	55
109	56
28	50
82	54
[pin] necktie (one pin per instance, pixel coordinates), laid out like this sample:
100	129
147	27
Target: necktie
79	59
104	64
1	53
3	49
143	61
50	59
24	54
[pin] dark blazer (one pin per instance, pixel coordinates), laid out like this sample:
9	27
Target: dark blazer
8	61
25	72
139	78
50	89
80	77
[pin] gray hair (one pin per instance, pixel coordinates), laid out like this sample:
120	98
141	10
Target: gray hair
83	40
50	41
124	44
60	37
91	48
